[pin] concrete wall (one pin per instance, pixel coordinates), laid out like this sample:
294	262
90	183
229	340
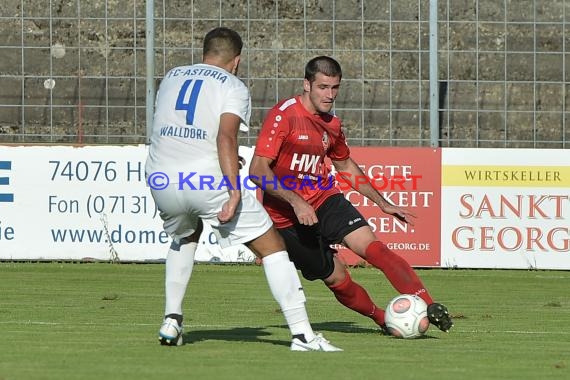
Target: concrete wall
500	89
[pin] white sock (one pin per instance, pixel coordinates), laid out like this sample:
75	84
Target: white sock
287	290
179	264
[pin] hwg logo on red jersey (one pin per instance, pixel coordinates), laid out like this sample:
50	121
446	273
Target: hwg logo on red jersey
306	163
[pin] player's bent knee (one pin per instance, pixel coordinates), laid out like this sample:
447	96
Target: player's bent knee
337	277
194	238
268	243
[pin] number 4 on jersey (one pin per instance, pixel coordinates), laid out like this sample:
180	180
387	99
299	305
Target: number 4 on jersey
189	107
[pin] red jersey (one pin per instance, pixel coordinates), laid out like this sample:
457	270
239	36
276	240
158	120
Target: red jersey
298	142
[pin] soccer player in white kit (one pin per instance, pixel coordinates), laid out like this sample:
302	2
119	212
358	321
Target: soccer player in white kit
192	169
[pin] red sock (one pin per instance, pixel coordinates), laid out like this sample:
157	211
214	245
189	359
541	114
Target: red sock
355	297
397	270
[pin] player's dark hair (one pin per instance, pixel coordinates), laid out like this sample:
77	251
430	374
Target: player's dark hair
222	42
324	65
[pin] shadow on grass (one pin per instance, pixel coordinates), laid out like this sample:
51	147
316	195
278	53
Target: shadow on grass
236	334
352	328
258	334
342	326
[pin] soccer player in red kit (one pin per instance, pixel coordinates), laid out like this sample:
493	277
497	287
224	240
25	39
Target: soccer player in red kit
310	212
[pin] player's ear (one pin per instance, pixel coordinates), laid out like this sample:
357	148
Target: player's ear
306	85
236	62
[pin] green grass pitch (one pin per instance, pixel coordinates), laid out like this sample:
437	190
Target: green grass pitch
100	321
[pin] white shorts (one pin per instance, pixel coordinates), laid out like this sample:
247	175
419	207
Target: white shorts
181	211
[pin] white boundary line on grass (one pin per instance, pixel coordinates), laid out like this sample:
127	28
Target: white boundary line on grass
200	325
40	323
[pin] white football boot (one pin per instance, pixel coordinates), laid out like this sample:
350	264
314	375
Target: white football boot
170	333
319	343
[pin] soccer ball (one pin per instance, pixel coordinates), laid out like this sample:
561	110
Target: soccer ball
406	316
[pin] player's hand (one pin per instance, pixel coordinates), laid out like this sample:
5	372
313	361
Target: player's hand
401	213
305	213
229	208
